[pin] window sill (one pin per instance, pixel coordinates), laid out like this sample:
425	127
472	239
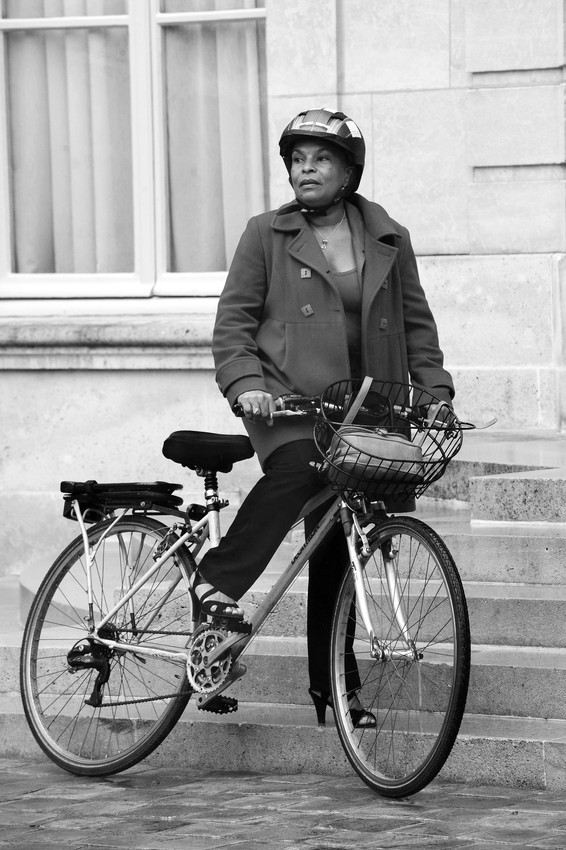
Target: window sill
153	306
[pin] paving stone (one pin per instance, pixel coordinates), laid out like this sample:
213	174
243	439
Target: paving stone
167	808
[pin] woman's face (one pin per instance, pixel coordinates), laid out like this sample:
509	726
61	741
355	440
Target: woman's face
318	172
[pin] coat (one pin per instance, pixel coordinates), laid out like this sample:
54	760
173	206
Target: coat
280	325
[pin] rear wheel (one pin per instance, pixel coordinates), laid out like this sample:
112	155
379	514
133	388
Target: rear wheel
415	683
97	710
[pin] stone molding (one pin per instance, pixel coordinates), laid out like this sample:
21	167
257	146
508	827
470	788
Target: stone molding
106	342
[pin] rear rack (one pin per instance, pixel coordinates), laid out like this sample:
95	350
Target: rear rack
97	500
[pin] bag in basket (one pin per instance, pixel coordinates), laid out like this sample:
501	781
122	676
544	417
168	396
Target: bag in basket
375	455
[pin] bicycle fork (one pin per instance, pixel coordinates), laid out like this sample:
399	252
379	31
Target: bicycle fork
359	551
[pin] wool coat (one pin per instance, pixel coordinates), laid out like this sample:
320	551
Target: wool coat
281	326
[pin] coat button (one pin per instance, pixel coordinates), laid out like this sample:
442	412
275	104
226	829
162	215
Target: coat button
383	324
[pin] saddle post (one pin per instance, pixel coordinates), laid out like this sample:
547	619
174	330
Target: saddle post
213	506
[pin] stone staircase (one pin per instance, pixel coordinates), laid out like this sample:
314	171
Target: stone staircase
505	523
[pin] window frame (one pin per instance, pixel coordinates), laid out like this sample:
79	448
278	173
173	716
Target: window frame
145	25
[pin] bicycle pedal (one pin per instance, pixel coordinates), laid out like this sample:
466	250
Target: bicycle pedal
229	624
220	705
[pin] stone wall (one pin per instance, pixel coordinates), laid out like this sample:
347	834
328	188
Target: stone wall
94	398
462	106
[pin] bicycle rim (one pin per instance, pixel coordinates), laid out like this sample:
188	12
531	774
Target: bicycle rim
144	696
417	688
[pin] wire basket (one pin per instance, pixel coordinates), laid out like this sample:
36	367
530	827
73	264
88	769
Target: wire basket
398	443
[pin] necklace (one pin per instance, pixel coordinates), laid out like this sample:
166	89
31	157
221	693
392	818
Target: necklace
324	240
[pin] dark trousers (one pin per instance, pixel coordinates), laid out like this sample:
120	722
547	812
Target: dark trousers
258	529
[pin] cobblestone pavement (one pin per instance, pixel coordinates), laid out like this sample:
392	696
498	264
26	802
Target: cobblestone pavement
168	809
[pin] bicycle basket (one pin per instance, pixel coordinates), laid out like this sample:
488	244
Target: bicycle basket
393	447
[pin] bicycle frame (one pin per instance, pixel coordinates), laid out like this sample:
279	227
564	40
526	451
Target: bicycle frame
196	536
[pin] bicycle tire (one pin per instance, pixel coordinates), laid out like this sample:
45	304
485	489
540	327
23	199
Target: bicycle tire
418	703
144	697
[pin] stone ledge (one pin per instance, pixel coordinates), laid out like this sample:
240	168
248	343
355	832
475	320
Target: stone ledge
106	331
107	342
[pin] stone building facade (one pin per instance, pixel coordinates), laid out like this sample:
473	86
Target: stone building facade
462	106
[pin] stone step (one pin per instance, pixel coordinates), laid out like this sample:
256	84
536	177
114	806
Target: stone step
517	614
530	497
455	483
500	613
489	452
285	739
509	552
519	681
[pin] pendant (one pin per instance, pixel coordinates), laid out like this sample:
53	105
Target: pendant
324	244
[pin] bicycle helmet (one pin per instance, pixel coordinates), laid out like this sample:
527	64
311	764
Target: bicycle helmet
335	128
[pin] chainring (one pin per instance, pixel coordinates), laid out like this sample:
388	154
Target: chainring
205	678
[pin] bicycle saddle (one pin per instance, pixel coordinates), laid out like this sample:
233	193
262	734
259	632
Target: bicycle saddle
210	452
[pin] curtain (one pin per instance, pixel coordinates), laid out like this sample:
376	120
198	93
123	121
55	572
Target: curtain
70	142
214	76
70	131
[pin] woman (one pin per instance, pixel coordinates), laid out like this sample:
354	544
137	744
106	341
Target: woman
323	289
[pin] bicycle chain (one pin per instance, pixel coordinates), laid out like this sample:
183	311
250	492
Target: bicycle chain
145	699
219	705
154	632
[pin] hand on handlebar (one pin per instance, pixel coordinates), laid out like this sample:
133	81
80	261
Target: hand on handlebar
438	415
257	405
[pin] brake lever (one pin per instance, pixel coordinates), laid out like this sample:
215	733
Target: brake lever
470	426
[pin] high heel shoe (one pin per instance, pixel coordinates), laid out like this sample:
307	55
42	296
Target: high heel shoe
361	719
212	601
321	700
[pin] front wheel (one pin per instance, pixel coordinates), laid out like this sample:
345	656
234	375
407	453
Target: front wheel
414	679
94	709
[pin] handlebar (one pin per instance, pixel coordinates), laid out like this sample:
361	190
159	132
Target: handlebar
298	405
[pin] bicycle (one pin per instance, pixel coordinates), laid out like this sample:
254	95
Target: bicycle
114	647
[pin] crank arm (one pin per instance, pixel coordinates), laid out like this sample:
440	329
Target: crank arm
237	671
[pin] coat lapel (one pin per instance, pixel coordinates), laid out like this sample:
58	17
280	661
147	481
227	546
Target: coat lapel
379	260
374	257
303	247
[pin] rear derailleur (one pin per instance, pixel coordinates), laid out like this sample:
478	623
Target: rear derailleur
86	654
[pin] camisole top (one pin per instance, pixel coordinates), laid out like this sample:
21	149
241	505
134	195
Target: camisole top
348	286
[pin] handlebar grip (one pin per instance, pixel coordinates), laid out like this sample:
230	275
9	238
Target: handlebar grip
238	410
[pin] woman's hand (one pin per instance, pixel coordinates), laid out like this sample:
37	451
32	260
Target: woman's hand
257	405
438	414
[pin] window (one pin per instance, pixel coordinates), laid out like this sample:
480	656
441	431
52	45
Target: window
133	144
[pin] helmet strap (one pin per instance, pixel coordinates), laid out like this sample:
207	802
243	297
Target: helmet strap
314	211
